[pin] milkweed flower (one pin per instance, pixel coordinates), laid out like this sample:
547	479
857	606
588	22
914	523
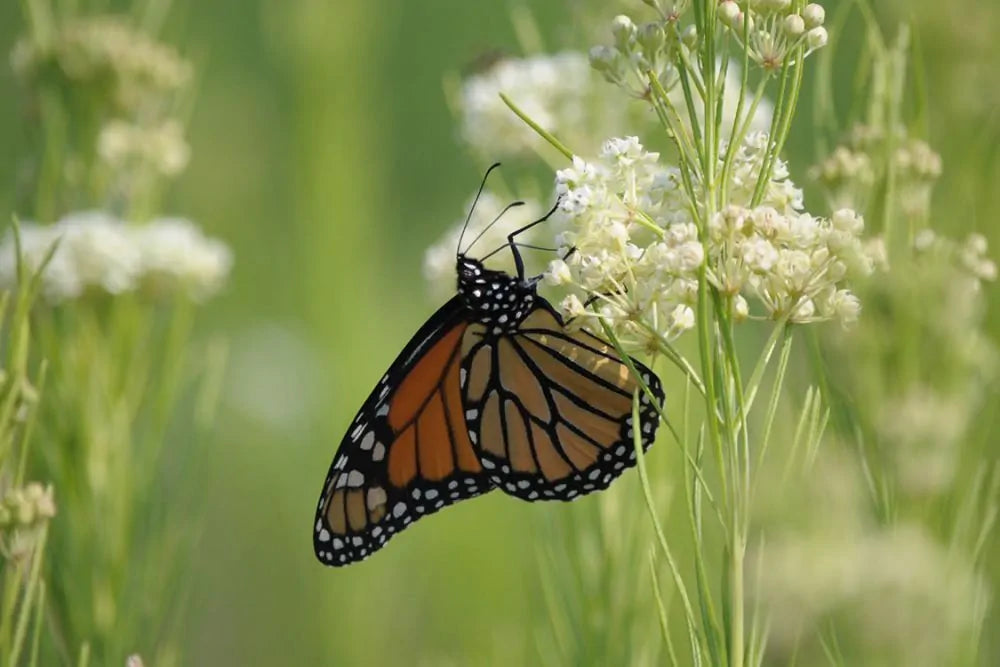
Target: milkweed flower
107	54
849	174
123	145
94	251
774	29
631	246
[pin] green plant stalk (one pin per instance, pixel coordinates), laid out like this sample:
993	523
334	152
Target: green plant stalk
764	361
740	134
30	590
737	132
627	360
36	635
545	134
693	634
772	141
779	378
677	131
661	610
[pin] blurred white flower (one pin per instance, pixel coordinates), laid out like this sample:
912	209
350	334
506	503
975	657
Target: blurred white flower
922	430
108	53
914	602
123	145
178	257
554	90
439	260
96	251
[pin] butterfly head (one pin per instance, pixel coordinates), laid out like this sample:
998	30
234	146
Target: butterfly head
494	298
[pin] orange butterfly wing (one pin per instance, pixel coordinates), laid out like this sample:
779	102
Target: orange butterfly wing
551	410
407	453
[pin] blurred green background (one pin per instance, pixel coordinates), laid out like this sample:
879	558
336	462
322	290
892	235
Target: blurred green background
324	152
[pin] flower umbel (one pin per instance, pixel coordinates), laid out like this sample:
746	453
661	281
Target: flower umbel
632	246
98	252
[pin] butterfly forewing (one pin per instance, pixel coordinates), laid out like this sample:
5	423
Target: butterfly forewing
551	410
408	452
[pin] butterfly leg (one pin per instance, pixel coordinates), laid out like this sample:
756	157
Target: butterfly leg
518	261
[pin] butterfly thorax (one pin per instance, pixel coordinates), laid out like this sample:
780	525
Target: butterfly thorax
495	299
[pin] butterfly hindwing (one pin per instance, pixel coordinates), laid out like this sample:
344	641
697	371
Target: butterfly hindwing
407	453
551	410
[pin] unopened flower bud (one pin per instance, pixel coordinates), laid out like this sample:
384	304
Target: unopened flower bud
741	309
817	38
794	25
814	15
606	60
729	11
651	37
624	31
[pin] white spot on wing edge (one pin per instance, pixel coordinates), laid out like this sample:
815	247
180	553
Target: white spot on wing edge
368	441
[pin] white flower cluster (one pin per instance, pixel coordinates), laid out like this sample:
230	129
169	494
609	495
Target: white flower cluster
774	29
439	260
97	252
637	50
27	506
970	257
557	91
793	264
918	168
849	174
102	51
780	192
644	280
121	144
632	248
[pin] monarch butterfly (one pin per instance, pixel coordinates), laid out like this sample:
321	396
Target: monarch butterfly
492	392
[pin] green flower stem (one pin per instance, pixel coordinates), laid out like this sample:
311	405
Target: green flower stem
29	425
542	132
781	123
677	131
696	468
699	144
694	636
777	333
31	589
779	107
779	378
740	132
36	635
661	610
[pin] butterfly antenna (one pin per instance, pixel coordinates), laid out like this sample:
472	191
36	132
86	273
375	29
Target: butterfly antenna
495	221
482	186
